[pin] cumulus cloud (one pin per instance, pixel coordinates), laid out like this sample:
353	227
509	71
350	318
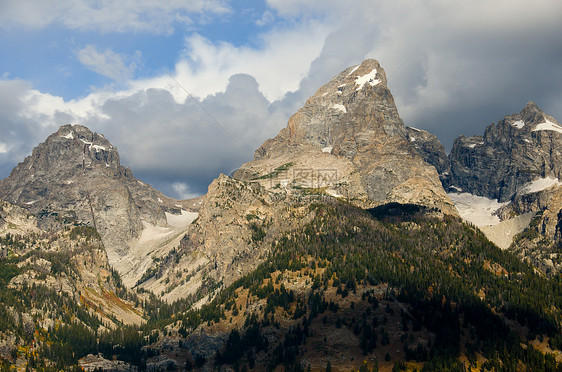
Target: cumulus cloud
20	132
279	63
108	16
108	63
452	68
168	142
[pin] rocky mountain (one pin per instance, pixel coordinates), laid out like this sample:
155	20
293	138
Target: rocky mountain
76	176
512	154
336	247
349	141
518	162
233	233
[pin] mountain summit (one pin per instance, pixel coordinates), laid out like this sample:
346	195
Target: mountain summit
349	141
75	176
519	149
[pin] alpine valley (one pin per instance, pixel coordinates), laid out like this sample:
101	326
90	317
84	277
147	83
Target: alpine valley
348	243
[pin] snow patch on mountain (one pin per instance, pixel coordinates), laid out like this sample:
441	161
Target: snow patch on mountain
539	185
182	220
370	78
548	125
503	233
518	124
97	148
354	69
152	232
477	210
154	241
340	107
473	145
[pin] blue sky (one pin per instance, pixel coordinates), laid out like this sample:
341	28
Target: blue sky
57	48
456	67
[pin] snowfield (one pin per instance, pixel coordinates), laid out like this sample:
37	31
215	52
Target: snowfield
477	210
480	210
539	185
182	220
155	241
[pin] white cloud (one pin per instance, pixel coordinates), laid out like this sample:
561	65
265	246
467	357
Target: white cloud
107	63
4	148
165	142
279	65
107	16
266	18
457	57
182	191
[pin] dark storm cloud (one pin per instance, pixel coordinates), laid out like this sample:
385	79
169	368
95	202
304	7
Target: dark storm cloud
167	143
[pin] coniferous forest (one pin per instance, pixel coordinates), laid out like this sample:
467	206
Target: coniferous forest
395	287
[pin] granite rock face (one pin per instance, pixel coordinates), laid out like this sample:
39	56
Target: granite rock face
432	151
519	149
351	128
237	224
76	176
70	262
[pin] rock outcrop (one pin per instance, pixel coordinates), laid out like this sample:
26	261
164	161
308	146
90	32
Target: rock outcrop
237	224
69	263
432	151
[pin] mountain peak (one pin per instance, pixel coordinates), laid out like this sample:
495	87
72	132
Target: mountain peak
358	90
350	129
530	114
75	176
363	78
522	147
531	106
72	149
